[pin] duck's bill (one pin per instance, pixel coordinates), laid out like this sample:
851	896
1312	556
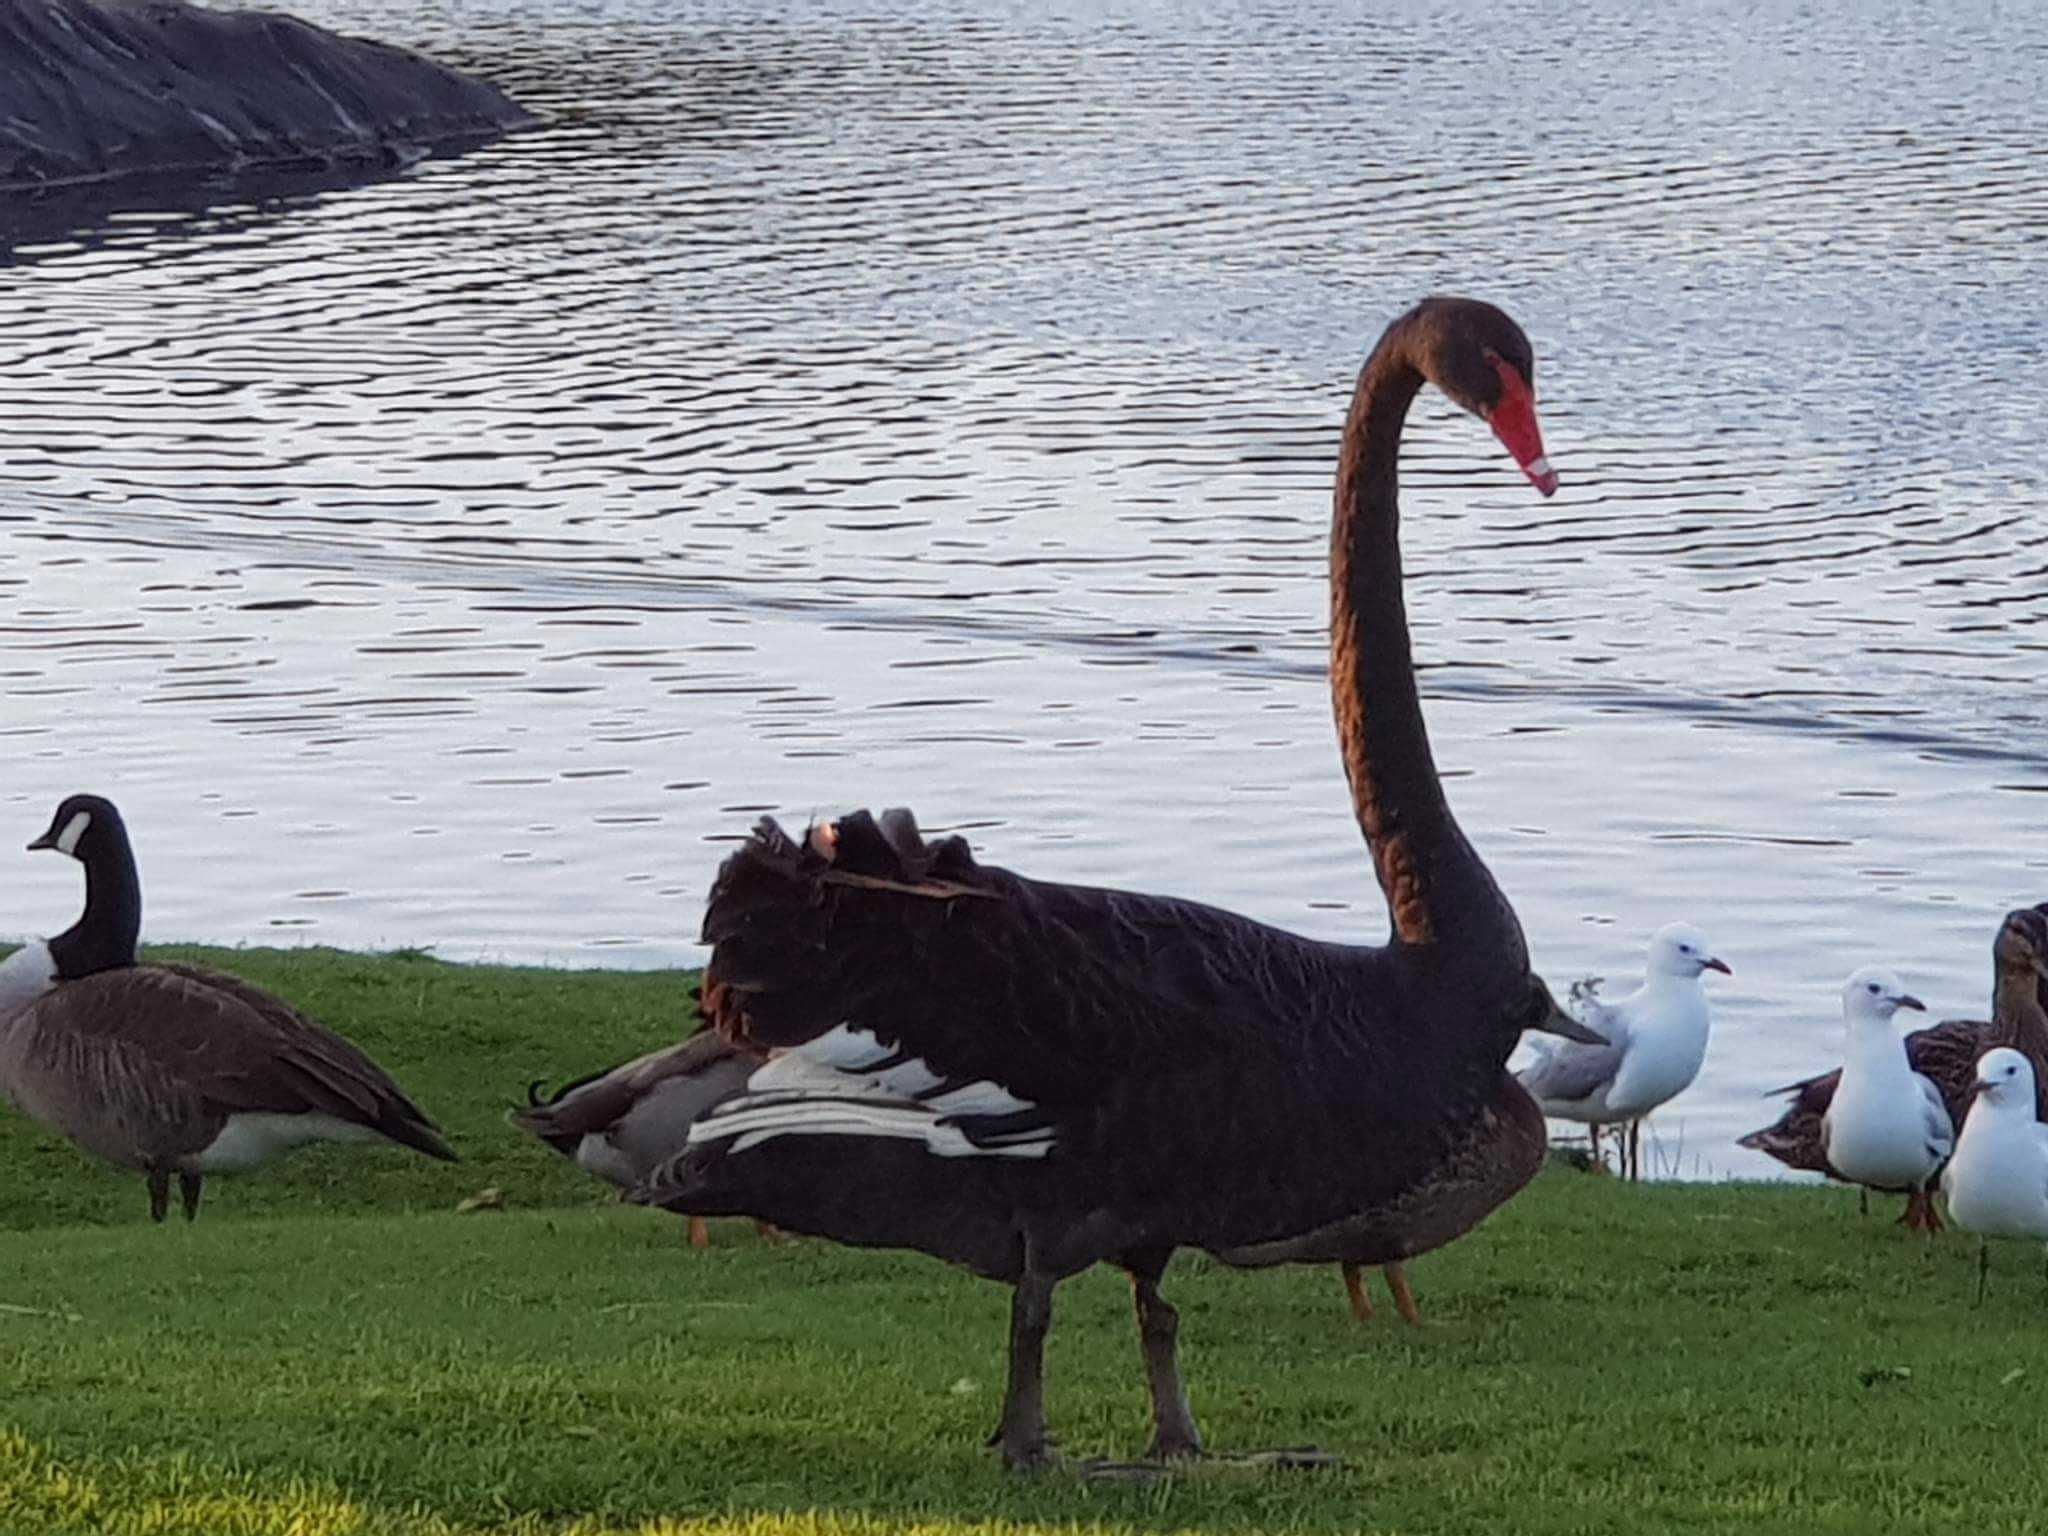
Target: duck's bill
1514	423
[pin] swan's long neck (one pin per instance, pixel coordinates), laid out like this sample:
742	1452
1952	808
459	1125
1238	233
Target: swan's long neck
104	935
1437	890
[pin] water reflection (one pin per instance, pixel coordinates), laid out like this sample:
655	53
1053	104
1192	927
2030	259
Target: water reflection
939	409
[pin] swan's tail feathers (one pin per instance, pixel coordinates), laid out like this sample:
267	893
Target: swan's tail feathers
804	932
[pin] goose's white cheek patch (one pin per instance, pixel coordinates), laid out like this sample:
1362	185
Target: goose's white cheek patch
74	829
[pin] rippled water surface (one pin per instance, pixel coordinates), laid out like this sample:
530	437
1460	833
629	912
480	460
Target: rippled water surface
937	405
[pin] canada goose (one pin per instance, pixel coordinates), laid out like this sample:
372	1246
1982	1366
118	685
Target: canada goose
175	1068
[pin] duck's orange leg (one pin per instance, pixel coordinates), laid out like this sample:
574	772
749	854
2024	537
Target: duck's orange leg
1354	1285
1404	1299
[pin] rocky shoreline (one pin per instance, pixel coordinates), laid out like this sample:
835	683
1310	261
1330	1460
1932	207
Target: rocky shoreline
95	90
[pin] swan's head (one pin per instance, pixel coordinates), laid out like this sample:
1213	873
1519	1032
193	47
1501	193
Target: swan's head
1874	994
1479	357
2022	942
1679	949
82	823
2006	1078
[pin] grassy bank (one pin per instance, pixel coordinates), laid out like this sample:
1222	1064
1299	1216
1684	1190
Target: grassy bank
332	1349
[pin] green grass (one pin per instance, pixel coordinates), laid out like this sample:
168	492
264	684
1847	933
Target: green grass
332	1349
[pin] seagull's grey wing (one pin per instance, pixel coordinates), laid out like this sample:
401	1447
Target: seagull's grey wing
1941	1131
1572	1072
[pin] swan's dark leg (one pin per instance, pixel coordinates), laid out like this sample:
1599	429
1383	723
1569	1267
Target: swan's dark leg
159	1193
1354	1286
1404	1299
1174	1436
189	1185
1021	1434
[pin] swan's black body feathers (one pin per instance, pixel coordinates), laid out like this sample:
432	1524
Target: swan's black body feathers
1167	1073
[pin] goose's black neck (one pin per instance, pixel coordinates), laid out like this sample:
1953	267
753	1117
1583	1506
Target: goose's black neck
105	934
1437	889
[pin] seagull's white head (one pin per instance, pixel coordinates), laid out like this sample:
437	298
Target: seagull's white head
1874	994
1679	949
2005	1080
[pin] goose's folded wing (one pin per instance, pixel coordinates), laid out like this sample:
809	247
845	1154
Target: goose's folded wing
228	1044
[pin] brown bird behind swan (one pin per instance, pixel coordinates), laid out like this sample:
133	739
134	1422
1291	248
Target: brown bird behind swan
1028	1079
1945	1053
621	1124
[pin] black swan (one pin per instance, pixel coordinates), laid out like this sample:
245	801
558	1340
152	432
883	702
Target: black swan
622	1124
1028	1079
173	1068
1945	1053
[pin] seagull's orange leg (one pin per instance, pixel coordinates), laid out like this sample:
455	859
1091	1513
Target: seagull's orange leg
1404	1299
1354	1284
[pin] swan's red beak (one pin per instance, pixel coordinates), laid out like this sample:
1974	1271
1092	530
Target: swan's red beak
1514	422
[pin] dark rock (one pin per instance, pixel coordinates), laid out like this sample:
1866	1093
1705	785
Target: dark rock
91	89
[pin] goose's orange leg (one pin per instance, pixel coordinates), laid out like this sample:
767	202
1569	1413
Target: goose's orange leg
1354	1284
1404	1299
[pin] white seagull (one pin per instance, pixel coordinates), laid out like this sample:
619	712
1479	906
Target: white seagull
1997	1182
1886	1127
1656	1039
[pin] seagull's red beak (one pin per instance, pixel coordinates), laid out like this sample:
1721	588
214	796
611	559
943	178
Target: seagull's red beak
1514	422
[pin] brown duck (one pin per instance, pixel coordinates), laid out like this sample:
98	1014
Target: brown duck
1945	1053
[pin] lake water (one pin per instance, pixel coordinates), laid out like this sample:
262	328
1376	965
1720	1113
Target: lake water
936	404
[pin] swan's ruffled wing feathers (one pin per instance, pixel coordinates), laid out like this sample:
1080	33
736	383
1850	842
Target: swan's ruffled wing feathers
1055	992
